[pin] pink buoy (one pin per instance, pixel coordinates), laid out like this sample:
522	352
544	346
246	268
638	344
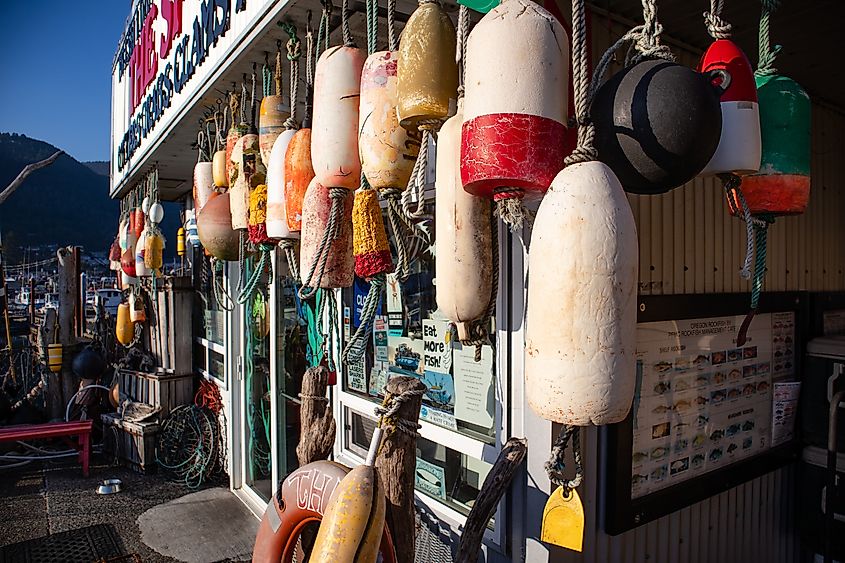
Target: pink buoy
334	135
340	263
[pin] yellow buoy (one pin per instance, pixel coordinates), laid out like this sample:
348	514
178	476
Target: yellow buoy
54	357
125	328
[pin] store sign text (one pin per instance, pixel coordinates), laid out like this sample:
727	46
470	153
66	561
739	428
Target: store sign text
188	54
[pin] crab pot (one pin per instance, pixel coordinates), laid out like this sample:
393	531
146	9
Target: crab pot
427	74
277	221
515	106
657	125
580	342
388	150
334	131
739	144
782	187
316	209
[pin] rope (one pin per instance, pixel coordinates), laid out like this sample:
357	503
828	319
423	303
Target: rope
403	229
294	48
461	43
309	71
318	267
252	283
716	26
266	79
357	345
220	294
555	465
208	397
252	97
388	412
734	194
392	38
584	150
289	248
372	25
766	53
348	40
202	154
416	185
277	71
324	31
761	228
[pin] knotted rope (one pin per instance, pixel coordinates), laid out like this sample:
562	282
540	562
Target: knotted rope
415	192
392	38
357	345
584	150
294	50
389	409
348	39
556	465
766	53
288	246
479	329
252	281
716	26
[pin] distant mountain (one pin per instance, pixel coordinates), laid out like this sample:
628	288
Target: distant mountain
100	167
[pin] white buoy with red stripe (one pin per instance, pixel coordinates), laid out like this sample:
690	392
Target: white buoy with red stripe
463	238
740	145
515	105
277	222
334	135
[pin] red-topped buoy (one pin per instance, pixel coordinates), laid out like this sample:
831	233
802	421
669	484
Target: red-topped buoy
515	104
739	145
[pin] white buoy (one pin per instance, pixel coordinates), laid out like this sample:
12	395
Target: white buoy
277	221
580	340
463	257
334	135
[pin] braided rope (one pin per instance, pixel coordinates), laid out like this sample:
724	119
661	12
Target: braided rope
461	44
220	294
348	40
277	71
766	53
372	25
480	328
716	26
556	463
266	80
732	184
392	37
330	234
416	185
252	283
584	150
388	412
202	153
294	53
289	248
357	345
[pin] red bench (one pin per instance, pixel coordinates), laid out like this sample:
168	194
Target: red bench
79	428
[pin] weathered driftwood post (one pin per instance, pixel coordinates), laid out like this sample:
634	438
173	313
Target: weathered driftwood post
317	424
495	485
67	290
48	335
397	459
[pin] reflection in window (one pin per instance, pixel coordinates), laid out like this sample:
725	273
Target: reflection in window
213	317
411	337
441	472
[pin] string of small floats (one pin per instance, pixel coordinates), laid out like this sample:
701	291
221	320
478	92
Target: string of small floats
366	140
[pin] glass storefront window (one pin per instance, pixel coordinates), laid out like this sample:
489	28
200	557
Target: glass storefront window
213	317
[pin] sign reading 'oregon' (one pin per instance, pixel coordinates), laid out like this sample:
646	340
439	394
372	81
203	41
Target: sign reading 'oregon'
161	58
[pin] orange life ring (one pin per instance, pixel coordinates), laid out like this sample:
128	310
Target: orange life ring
301	499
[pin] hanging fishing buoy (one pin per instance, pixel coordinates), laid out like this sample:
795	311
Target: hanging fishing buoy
214	228
739	143
388	150
145	204
191	234
257	228
277	222
316	217
203	184
237	131
114	256
517	72
54	357
124	327
153	248
782	187
180	241
156	213
463	260
298	175
219	169
137	313
127	262
657	123
141	270
427	74
272	115
369	239
334	134
247	158
123	233
138	223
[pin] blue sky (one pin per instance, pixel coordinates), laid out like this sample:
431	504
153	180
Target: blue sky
55	60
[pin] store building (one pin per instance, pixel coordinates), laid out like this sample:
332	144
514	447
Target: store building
177	60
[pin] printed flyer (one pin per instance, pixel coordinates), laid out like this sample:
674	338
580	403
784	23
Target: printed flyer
703	402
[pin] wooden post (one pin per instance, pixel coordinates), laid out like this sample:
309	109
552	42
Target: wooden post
48	335
317	424
396	466
6	318
497	482
67	290
79	297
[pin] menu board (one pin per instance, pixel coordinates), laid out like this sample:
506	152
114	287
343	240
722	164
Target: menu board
702	402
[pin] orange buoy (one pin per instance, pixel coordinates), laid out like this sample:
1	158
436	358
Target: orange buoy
298	175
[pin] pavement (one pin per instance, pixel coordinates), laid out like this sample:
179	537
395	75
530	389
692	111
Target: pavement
159	520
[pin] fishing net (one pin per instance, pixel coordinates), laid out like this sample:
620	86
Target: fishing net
191	446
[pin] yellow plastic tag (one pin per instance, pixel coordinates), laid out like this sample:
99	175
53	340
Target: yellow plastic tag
563	520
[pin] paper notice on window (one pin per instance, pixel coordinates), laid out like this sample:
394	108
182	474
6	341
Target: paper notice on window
394	305
437	345
784	407
430	479
380	339
356	378
474	398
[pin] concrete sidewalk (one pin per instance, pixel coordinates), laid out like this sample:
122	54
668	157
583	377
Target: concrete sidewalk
50	497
